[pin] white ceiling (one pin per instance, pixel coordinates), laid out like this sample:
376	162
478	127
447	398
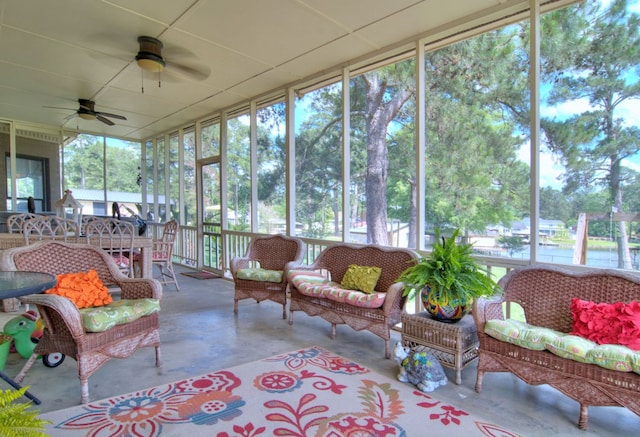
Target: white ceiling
54	52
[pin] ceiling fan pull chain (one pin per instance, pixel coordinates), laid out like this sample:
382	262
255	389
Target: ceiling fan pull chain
159	80
142	80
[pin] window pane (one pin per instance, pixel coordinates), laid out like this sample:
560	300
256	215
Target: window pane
271	169
189	176
150	179
123	170
239	173
590	189
210	134
318	182
477	101
382	150
161	202
83	160
174	178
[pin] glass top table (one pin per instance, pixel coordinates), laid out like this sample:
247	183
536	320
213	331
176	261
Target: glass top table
16	284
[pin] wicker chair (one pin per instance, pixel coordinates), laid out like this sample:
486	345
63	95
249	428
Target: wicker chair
116	237
50	227
162	254
15	222
64	331
272	252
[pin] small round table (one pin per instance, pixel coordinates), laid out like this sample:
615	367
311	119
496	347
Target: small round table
16	284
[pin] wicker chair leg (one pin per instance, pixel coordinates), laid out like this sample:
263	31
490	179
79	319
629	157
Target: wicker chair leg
583	422
235	306
32	359
158	357
84	387
333	331
291	317
387	349
284	311
479	377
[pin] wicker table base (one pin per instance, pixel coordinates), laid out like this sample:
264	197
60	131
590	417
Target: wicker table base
454	344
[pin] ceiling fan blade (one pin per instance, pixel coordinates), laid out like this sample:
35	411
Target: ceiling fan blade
70	116
104	120
106	114
59	107
198	73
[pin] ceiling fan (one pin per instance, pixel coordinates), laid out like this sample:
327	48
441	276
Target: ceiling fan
87	111
150	58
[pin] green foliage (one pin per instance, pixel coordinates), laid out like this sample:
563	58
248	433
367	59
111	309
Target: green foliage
15	419
450	270
512	243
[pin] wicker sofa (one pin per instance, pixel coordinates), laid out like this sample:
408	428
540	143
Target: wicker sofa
545	293
316	289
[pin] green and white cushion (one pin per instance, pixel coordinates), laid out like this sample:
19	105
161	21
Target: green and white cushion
99	319
260	275
609	356
612	356
572	347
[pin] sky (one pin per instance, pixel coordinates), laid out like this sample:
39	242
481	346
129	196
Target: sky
629	111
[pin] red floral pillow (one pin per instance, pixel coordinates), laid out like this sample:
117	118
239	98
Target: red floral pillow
607	323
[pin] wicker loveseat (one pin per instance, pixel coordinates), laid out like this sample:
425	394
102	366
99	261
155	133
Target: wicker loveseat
316	289
545	293
64	329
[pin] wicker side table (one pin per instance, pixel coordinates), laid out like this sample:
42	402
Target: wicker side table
454	344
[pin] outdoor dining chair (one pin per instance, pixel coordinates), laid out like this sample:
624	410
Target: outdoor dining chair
115	237
162	254
50	227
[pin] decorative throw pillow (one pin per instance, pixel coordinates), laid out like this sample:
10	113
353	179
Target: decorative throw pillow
362	278
607	323
83	289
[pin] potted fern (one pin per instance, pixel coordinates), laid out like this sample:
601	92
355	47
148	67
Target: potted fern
15	418
448	279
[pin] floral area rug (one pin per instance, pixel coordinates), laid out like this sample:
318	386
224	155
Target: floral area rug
309	392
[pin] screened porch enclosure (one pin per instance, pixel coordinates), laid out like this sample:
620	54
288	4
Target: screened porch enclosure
509	131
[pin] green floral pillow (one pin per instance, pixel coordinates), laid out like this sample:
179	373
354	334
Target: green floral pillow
261	275
361	278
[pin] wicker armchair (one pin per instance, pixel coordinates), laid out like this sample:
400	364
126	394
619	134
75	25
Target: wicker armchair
272	252
64	331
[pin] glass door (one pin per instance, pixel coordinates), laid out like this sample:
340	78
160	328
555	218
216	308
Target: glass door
212	216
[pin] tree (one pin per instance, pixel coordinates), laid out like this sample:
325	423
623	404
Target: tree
592	56
476	115
512	243
386	90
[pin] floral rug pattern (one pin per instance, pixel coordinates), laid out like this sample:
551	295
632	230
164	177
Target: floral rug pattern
309	392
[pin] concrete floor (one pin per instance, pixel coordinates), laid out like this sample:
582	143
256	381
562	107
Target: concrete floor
200	333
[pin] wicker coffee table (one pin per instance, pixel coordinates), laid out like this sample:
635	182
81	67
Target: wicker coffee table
454	344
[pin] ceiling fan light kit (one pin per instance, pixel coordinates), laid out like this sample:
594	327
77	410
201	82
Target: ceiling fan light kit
149	56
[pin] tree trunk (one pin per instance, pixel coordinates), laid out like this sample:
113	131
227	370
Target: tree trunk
379	113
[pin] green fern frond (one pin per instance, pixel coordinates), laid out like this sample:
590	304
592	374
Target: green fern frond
16	420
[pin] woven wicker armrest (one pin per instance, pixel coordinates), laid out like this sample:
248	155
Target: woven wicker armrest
140	288
487	308
65	307
394	298
239	263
